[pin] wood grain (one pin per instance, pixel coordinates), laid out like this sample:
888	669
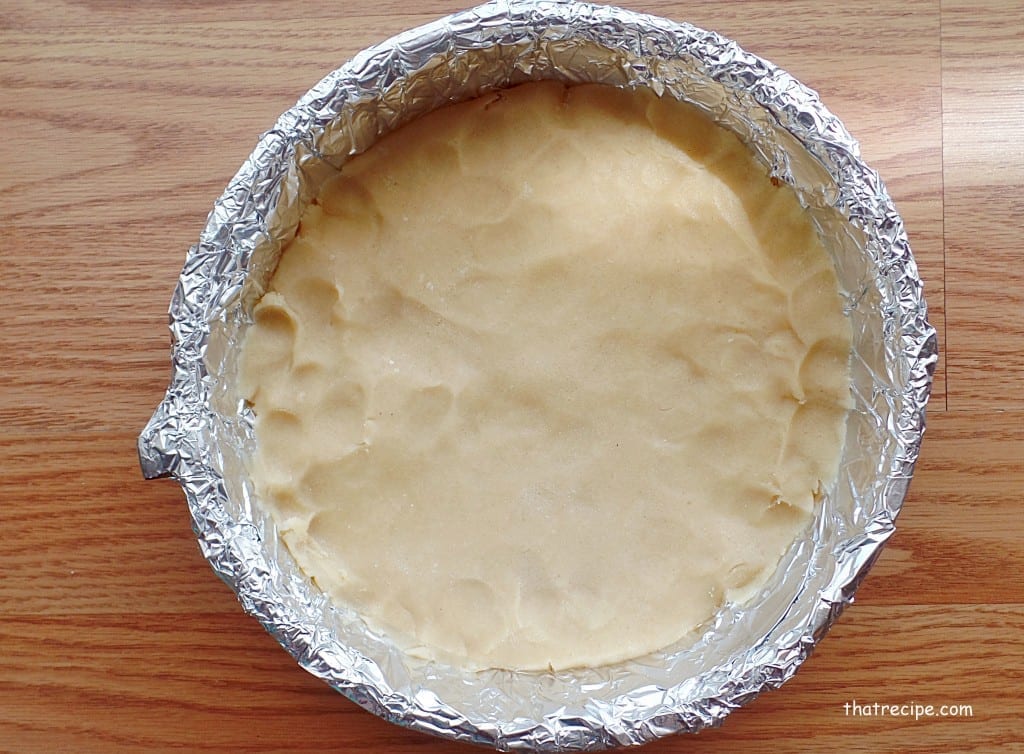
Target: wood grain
983	98
122	124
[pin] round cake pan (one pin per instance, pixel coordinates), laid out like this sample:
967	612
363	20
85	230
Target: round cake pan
201	433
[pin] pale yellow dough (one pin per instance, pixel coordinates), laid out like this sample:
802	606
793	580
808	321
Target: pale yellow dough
546	377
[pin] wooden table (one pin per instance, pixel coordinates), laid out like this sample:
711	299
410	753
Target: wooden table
121	122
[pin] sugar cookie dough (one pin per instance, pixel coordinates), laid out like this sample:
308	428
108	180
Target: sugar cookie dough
547	376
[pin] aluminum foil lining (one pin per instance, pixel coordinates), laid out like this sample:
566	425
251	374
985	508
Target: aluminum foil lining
201	433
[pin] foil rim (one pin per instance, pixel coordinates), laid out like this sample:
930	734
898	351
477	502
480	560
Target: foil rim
183	439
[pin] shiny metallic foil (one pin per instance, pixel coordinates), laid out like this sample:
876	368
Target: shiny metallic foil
202	432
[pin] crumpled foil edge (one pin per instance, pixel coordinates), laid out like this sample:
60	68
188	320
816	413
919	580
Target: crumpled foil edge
199	433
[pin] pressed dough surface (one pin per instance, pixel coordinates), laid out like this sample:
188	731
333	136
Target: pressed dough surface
547	376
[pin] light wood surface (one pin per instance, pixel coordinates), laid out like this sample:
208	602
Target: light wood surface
121	122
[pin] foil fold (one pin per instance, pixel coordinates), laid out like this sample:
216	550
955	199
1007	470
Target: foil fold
201	433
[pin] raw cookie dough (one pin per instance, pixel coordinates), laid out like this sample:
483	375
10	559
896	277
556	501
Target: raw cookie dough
546	377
